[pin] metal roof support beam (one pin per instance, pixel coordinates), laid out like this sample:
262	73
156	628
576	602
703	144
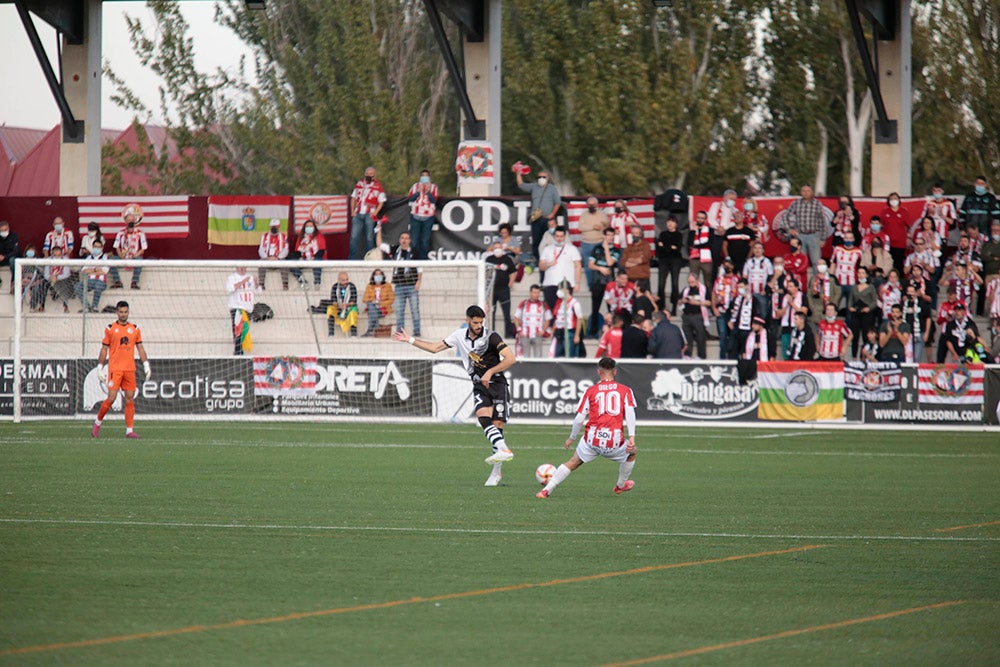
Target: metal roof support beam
474	127
885	129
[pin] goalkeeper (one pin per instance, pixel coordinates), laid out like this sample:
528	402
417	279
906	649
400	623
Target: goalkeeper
116	367
485	356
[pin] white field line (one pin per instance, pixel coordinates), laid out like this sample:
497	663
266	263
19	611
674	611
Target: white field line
277	444
489	531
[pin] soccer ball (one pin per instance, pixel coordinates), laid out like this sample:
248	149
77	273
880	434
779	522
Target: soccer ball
544	472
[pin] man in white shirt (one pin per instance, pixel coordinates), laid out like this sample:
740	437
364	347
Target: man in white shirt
560	261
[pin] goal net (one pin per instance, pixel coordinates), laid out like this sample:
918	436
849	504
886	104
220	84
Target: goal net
311	340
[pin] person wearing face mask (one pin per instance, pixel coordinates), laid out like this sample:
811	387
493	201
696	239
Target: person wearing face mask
875	232
636	255
93	279
87	240
990	256
756	220
797	263
846	219
504	272
591	223
736	243
559	261
406	281
742	311
10	250
896	221
722	216
604	266
980	207
33	283
311	246
274	248
567	331
823	289
378	300
423	199
944	214
669	260
545	204
130	243
845	260
622	220
364	208
58	237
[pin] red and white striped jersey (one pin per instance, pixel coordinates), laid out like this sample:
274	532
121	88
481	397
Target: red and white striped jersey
619	297
309	246
604	406
128	244
724	290
534	317
941	211
831	338
424	206
572	308
273	245
54	239
790	303
888	294
993	297
758	270
847	261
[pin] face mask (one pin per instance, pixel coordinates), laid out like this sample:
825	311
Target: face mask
560	244
618	209
310	230
96	252
369	179
498	252
636	239
831	318
274	231
425	179
730	203
876	228
980	189
92	235
543	181
4	235
778	268
996	237
560	294
795	248
741	290
747	207
131	225
848	244
379	279
58	228
843	205
862	281
821	268
893	202
938	196
29	253
592	209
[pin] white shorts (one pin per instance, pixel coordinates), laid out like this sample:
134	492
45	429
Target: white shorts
588	453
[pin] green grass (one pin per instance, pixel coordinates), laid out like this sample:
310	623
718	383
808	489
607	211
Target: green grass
296	527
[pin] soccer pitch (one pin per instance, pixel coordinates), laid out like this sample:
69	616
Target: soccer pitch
376	544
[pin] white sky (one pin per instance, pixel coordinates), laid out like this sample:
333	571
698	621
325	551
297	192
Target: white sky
26	100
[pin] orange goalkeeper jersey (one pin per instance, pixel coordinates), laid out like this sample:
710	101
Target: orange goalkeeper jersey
121	340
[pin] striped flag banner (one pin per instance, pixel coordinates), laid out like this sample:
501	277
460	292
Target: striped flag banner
950	384
474	162
800	391
329	212
284	376
641	208
161	217
241	220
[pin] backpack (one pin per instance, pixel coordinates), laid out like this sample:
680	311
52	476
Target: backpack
261	312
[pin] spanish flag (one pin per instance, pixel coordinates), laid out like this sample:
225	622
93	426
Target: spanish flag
801	390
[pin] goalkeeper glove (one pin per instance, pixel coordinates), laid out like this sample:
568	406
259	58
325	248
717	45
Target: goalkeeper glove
102	372
145	367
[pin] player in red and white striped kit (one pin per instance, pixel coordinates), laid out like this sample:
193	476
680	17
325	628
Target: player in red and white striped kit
846	259
606	407
833	335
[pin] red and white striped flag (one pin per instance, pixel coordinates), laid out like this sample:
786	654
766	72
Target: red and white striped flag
329	212
951	384
162	217
641	208
284	376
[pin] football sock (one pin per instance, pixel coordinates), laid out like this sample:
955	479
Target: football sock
561	473
497	468
624	470
129	415
495	436
105	406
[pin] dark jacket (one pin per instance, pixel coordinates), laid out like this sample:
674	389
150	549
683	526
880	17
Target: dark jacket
980	210
666	341
633	343
9	248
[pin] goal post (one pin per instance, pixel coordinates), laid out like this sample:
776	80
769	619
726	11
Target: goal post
316	353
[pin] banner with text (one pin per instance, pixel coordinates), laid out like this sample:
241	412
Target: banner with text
47	387
873	381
